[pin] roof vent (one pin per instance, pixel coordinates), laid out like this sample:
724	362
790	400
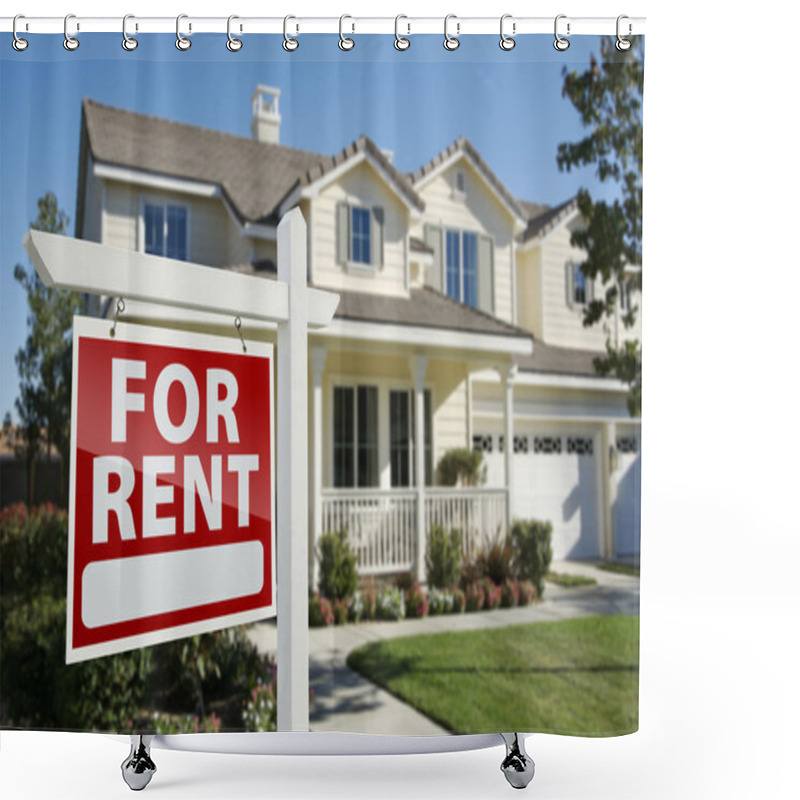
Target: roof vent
266	123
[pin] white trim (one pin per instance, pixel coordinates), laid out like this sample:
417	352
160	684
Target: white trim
433	338
152	200
152	181
519	222
540	239
554	419
556	381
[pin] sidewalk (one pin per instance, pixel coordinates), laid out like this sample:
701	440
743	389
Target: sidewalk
344	701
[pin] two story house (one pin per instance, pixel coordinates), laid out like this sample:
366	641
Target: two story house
459	325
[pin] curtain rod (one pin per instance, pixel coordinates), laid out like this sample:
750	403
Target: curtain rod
408	26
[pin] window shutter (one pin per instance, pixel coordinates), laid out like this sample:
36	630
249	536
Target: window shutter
434	236
342	233
376	238
570	275
486	274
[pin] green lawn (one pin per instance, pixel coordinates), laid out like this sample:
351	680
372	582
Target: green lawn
580	676
569	581
613	566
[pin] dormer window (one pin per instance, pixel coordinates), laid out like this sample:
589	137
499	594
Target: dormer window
579	296
359	235
166	230
580	289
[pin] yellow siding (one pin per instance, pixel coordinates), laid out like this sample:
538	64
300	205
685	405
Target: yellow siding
360	186
479	211
93	208
529	293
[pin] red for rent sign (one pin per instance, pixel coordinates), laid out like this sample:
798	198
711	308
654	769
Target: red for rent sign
171	487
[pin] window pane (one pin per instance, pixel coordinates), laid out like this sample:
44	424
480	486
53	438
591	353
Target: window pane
399	438
580	284
453	265
154	230
470	260
343	440
360	237
176	232
367	435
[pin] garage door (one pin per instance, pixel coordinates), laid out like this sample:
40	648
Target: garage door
626	508
556	479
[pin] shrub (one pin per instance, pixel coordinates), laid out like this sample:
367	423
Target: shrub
443	557
461	464
459	600
320	611
533	551
475	597
164	723
495	560
416	602
362	606
510	596
338	577
440	601
492	594
261	711
341	611
526	592
390	604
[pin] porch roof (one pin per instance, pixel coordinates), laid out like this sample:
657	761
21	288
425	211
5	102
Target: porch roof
560	361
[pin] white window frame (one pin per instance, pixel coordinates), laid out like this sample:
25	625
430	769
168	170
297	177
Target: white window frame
576	271
461	231
352	263
459	191
354	384
412	443
147	200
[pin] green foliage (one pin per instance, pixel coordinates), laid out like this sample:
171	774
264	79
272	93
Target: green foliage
463	466
533	551
261	711
494	561
390	604
44	363
338	576
416	602
443	557
608	97
341	611
510	594
362	606
320	611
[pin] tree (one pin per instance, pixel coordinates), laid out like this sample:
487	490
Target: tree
608	97
44	362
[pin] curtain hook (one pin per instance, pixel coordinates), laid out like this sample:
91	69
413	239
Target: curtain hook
238	324
507	42
623	44
182	42
70	42
233	44
120	310
561	43
128	42
401	42
451	42
345	42
290	44
19	44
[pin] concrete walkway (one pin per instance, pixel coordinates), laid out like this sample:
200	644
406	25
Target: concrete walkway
345	701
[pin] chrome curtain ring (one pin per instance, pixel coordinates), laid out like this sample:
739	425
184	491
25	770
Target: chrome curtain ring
345	42
19	44
401	42
507	42
561	43
233	44
70	42
451	42
181	41
290	44
623	44
128	42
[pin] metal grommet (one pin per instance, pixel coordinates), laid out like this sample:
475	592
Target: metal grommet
623	44
507	42
70	42
561	44
345	42
451	42
401	42
233	44
181	41
290	44
128	42
19	44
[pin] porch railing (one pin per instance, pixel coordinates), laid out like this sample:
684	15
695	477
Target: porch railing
381	523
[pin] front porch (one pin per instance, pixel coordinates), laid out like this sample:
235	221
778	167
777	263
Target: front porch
383	526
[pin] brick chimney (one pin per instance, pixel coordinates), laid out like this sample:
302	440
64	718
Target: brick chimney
266	123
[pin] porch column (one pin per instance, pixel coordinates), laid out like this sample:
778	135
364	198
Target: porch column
508	375
419	368
318	356
609	487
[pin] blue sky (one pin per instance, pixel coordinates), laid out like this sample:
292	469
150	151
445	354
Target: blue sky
414	103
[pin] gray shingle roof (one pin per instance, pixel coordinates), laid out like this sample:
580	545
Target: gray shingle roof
254	176
542	219
559	360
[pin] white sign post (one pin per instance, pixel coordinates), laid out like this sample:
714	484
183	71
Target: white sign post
98	269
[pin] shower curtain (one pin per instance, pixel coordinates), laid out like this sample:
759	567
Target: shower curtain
474	405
